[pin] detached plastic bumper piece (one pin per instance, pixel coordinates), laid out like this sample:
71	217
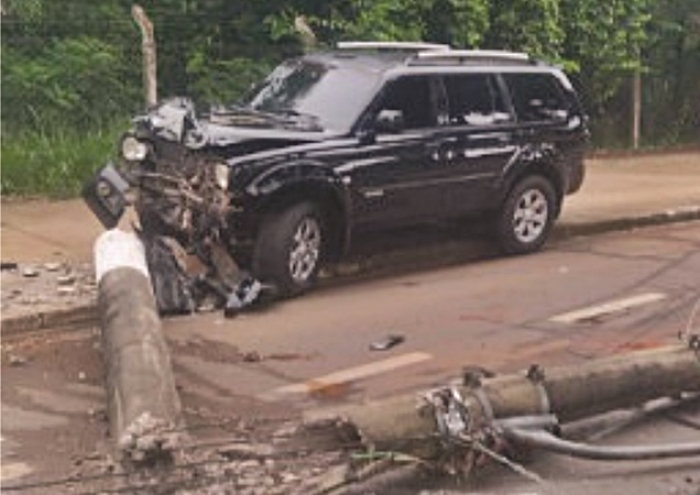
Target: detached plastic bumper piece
105	195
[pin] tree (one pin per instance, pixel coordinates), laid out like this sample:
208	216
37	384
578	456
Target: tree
461	23
58	68
532	26
672	59
603	43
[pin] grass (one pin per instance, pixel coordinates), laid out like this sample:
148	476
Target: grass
54	164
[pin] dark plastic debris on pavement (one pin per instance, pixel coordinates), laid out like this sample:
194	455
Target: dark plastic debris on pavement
387	342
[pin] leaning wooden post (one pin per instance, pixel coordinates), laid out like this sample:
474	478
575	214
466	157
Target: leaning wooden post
148	50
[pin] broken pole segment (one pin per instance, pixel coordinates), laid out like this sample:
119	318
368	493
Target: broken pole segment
142	402
430	424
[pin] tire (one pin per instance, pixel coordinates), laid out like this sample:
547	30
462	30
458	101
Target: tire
527	215
289	249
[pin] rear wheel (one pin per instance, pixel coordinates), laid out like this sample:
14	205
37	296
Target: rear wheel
527	215
289	248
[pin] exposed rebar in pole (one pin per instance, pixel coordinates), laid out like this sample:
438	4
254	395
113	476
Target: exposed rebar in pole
148	50
410	424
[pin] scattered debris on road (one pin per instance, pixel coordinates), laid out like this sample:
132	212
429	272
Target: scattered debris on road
17	360
386	343
30	272
34	289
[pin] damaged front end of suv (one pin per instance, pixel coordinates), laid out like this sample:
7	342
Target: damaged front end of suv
175	169
178	184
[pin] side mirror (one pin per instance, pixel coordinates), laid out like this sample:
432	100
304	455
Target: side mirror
389	122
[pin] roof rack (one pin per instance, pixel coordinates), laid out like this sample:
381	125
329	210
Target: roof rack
466	55
393	46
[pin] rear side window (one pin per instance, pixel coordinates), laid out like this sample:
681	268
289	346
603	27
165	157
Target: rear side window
537	97
474	99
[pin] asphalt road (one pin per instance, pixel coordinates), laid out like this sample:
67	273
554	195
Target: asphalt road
497	313
578	299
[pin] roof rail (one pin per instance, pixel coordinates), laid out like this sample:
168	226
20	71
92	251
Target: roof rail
393	45
463	55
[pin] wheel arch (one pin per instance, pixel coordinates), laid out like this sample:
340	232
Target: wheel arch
541	163
317	185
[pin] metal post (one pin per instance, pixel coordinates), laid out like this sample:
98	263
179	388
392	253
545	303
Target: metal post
636	107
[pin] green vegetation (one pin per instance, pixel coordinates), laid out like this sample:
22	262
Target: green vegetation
71	69
55	164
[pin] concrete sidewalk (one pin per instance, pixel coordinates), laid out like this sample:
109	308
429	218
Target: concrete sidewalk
635	187
615	190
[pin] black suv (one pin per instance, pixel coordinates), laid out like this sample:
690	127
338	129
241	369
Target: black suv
367	136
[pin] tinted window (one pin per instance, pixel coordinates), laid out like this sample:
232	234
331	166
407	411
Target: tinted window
474	99
412	96
536	97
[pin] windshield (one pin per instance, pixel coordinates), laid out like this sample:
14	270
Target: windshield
333	95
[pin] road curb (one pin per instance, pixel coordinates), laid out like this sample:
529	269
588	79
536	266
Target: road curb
450	251
684	214
64	318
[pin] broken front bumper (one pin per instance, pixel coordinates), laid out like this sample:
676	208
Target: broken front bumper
105	195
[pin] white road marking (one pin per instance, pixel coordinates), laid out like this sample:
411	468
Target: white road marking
347	375
608	308
14	471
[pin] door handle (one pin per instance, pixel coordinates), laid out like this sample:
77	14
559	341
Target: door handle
439	148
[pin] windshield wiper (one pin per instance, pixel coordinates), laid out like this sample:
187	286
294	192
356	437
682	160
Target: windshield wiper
243	115
301	119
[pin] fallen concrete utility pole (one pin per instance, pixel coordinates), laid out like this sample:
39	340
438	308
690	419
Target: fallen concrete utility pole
143	404
458	423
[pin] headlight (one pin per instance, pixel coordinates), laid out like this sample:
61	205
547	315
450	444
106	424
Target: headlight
134	150
221	173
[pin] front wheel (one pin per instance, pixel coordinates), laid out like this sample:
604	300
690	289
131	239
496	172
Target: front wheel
289	248
527	215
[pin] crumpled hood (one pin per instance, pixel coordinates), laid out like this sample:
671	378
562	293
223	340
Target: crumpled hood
175	120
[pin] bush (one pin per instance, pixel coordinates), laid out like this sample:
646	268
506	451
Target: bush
77	82
56	164
223	81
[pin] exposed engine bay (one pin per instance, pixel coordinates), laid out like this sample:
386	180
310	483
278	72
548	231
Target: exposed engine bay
183	205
